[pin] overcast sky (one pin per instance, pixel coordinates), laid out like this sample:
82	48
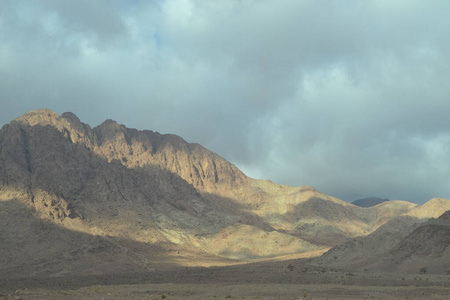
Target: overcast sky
351	97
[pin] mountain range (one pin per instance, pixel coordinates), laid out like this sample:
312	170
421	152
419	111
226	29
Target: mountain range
109	199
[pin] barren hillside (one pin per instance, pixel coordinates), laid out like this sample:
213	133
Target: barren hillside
413	241
131	199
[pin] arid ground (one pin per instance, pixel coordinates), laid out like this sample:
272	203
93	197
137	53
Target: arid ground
288	279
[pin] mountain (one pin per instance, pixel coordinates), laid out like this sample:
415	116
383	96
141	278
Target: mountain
407	243
426	248
368	202
115	199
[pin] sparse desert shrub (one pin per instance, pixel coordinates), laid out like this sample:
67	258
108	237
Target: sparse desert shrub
290	267
423	271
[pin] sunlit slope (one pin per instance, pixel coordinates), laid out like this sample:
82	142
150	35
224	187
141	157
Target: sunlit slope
402	244
159	190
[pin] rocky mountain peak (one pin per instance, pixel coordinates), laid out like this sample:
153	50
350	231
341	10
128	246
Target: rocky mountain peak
109	123
68	123
39	117
73	120
110	130
70	117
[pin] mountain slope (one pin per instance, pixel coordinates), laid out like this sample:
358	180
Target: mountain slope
426	248
160	192
403	244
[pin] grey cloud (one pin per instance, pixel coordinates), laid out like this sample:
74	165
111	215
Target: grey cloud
350	97
101	18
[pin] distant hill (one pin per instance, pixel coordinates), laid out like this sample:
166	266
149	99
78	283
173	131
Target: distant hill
417	241
368	202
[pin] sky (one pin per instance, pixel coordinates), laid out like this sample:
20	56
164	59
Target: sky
350	97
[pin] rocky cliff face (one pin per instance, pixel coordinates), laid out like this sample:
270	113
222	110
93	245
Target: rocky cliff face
137	149
123	191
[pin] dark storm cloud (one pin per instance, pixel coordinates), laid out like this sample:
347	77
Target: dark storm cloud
350	97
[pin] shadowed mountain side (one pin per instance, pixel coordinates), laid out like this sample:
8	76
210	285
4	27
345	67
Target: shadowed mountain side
402	244
31	246
142	186
365	252
426	248
426	240
65	179
146	204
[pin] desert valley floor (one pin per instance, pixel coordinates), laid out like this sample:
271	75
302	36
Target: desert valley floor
276	279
